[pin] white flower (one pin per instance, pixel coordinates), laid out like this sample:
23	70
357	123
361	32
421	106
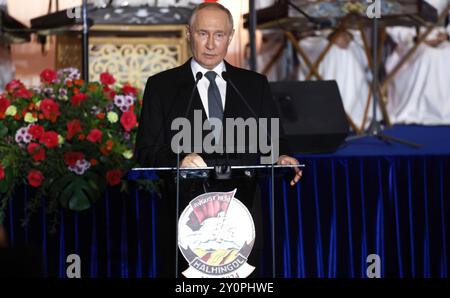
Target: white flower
11	111
60	140
112	117
29	118
128	154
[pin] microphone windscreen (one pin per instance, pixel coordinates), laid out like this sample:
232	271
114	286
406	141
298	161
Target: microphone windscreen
198	76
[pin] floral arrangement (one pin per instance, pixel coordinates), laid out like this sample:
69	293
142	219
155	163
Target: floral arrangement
67	139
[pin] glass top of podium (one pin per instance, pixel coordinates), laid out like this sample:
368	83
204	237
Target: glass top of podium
219	172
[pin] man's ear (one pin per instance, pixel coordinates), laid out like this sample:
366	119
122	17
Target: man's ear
188	32
231	37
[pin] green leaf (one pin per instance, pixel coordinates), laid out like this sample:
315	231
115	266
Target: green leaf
58	186
3	186
6	183
78	194
3	130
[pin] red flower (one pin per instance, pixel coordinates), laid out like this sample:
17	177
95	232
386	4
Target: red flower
113	177
35	178
48	76
36	131
4	104
95	135
109	145
127	89
78	98
13	85
2	172
71	158
49	139
50	109
73	127
128	120
107	79
36	151
22	92
109	93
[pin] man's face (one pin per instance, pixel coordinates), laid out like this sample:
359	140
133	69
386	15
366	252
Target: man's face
210	35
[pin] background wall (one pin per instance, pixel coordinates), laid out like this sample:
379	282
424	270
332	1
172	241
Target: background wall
31	58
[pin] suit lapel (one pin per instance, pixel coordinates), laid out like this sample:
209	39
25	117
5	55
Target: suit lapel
230	95
186	85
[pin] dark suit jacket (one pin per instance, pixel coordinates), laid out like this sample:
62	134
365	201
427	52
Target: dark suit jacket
166	97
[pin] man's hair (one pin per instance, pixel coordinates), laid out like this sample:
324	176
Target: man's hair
208	5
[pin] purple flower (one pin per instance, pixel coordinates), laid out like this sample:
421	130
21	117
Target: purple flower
109	107
74	74
119	100
69	74
27	138
80	167
22	136
129	100
126	136
37	89
96	110
62	91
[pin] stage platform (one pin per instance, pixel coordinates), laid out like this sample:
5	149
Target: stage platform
435	140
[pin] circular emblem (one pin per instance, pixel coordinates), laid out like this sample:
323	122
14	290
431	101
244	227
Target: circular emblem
216	234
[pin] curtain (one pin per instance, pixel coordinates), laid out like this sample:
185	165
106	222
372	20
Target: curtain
344	209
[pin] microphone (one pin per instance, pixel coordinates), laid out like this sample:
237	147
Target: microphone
227	78
198	77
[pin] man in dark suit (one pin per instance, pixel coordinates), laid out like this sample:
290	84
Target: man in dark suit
168	96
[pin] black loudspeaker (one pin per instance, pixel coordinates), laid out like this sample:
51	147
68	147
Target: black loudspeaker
312	115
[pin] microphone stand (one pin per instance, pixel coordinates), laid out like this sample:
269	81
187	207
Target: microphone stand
375	129
272	169
198	77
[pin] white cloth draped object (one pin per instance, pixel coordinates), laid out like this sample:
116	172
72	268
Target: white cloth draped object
268	43
420	91
348	67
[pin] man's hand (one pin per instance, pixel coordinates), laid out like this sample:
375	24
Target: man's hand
287	160
193	160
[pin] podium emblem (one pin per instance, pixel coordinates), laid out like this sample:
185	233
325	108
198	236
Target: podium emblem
216	234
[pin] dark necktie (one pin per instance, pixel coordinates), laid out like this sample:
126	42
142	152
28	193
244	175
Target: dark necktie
214	101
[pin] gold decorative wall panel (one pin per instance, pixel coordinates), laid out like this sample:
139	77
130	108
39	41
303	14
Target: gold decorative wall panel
130	53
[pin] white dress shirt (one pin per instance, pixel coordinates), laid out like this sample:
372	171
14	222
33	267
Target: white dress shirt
203	84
